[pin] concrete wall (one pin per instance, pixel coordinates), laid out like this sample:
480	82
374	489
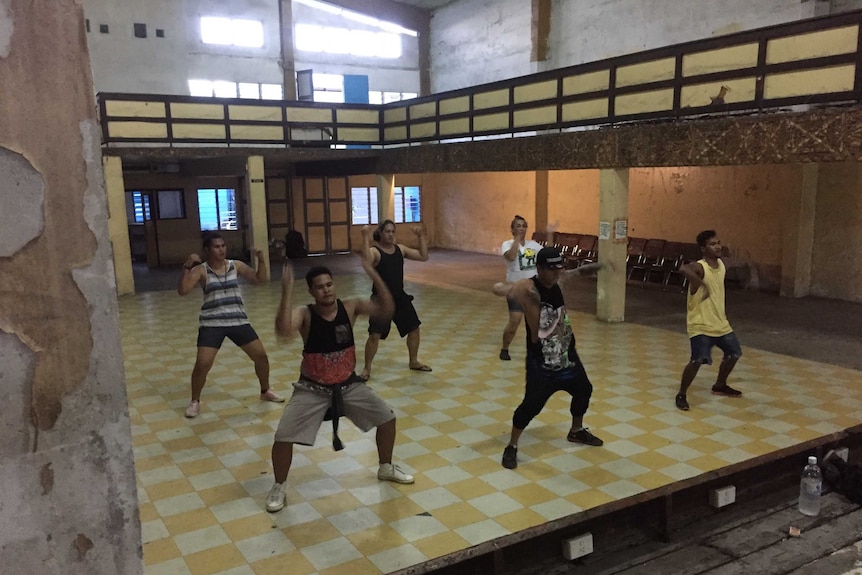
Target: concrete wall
837	266
69	499
123	63
479	41
472	211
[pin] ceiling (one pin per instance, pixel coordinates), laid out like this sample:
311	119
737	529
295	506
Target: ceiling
426	4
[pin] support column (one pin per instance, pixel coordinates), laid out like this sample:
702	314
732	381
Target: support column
118	224
541	223
613	223
258	230
288	61
798	241
385	197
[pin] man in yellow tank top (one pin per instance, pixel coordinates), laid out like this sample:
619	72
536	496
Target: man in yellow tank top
706	319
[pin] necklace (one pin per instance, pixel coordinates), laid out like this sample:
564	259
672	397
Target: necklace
222	279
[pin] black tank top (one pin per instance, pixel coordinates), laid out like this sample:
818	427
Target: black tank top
329	355
391	270
555	349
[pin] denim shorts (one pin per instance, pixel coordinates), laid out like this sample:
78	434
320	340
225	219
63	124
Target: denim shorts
701	347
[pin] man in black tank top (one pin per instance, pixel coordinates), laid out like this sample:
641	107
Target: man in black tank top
388	258
328	382
552	362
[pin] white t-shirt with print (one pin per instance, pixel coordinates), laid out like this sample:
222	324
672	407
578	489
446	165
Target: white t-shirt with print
523	266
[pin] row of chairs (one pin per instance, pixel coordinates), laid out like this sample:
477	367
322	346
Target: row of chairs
647	260
576	249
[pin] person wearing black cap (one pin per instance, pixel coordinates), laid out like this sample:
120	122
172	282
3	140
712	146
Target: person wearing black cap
552	361
328	386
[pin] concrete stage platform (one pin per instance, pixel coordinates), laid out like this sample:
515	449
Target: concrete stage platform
202	481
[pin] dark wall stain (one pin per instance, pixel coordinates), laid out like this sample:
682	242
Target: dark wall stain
82	544
46	478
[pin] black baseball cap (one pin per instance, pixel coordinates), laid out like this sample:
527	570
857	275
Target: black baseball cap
549	258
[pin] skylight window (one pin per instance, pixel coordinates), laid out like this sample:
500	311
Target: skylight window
358	17
331	40
231	32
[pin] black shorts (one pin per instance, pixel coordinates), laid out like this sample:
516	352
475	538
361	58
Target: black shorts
405	318
214	336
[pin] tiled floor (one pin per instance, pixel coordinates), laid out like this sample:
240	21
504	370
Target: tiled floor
202	481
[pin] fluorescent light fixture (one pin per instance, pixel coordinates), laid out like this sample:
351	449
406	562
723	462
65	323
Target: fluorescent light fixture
358	17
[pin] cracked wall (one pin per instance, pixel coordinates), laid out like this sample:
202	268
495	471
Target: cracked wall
66	463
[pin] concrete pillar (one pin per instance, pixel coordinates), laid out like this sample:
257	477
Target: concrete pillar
70	501
613	223
288	61
541	223
118	224
258	229
385	197
540	29
798	241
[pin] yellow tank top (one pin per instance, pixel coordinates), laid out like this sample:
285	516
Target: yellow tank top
707	316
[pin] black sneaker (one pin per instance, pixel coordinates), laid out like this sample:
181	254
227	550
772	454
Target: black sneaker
510	457
584	436
726	391
504	355
682	402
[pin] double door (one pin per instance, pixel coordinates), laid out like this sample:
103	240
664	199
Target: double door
319	209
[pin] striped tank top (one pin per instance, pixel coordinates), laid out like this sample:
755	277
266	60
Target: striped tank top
222	306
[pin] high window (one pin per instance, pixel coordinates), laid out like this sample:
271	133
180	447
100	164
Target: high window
217	209
407	205
378	97
170	205
333	40
231	32
224	89
137	207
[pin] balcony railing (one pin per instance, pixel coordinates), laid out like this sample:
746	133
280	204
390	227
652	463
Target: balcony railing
807	62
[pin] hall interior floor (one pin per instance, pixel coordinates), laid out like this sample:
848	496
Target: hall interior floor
202	481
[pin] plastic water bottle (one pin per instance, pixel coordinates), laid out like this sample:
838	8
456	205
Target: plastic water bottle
809	488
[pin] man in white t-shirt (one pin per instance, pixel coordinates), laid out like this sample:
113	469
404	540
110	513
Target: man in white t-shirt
520	254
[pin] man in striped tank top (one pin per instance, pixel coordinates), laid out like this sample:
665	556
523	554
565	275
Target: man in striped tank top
223	314
706	319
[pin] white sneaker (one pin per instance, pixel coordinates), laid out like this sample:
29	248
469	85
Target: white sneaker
389	472
275	498
193	409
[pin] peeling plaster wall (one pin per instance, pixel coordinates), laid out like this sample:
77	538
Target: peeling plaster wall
66	466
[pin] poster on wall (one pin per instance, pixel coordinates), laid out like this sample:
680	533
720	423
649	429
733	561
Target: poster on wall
604	230
621	228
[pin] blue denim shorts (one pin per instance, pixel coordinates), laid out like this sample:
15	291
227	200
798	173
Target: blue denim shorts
701	347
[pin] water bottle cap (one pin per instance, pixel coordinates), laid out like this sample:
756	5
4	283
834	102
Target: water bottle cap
812	460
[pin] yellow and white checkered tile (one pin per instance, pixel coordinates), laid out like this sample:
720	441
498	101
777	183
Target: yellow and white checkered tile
202	482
